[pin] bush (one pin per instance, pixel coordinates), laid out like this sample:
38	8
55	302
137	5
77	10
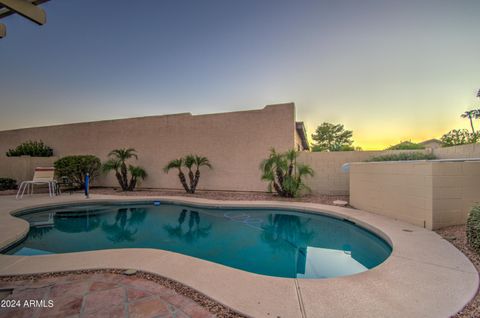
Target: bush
473	228
31	148
76	167
404	156
406	145
459	137
7	184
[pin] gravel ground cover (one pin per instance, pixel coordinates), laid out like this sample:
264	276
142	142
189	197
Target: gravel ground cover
225	195
458	237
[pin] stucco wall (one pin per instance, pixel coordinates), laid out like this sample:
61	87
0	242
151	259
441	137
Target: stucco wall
234	142
329	177
432	194
464	151
22	168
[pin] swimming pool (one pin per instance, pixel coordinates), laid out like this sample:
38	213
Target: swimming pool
275	242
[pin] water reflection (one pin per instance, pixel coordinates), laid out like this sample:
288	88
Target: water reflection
38	232
284	228
127	221
75	222
289	233
192	232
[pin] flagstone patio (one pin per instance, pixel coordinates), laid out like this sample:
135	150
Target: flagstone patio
97	295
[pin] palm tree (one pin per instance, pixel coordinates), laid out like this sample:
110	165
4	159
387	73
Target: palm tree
284	174
118	162
135	173
114	164
199	162
177	164
189	162
272	171
471	114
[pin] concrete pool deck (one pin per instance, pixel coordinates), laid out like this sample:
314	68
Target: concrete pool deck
425	276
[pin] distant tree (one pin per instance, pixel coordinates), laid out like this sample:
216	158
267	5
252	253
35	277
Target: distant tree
459	137
406	145
332	137
471	114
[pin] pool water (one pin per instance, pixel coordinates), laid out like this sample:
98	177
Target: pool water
273	242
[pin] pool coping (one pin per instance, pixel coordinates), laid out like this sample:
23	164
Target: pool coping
425	276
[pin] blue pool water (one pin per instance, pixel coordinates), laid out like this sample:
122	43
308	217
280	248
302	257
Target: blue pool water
273	242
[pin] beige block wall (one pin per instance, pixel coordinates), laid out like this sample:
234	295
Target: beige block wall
234	142
22	168
432	194
456	189
460	152
329	177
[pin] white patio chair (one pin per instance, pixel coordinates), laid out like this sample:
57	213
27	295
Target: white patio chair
42	175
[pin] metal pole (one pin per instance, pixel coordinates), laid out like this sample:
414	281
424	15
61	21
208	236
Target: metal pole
87	185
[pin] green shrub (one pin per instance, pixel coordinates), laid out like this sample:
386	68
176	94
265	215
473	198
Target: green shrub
31	148
76	168
473	228
7	184
459	137
406	145
404	156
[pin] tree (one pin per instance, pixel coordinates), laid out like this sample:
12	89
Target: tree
284	174
118	162
193	163
459	137
471	114
177	164
332	137
199	162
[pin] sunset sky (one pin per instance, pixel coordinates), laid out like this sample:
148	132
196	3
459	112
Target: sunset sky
388	70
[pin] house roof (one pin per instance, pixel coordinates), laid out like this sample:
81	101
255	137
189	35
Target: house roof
302	133
430	141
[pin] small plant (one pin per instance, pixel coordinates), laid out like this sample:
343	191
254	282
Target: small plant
7	184
31	148
473	228
284	174
75	168
192	163
118	162
406	145
404	156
